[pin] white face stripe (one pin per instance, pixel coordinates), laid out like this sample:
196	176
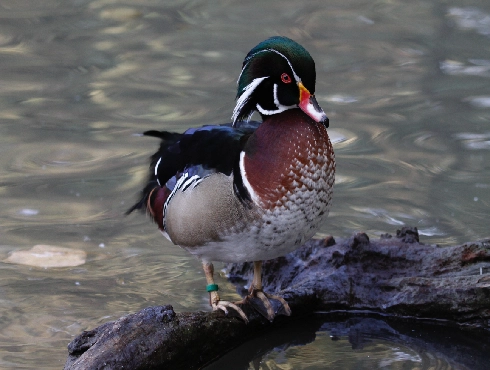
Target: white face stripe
280	107
242	100
241	72
278	104
243	174
296	77
250	88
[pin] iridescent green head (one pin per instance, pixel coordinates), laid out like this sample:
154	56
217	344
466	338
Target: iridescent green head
278	74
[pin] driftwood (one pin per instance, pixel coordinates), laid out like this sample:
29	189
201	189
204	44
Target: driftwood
394	276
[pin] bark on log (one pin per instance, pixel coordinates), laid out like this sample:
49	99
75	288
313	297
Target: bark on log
397	276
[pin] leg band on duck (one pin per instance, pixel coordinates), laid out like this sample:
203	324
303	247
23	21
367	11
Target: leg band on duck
212	288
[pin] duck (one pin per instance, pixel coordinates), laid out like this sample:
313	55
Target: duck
248	191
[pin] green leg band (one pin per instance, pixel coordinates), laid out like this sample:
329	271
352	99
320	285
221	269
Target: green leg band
212	288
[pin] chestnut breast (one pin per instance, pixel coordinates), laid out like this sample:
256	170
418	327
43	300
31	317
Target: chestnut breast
289	153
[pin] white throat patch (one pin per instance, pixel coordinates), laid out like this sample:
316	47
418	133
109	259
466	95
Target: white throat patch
250	88
280	107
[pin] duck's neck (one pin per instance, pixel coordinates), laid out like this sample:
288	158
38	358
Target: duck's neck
282	155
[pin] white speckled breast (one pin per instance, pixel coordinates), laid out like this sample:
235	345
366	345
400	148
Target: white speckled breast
289	172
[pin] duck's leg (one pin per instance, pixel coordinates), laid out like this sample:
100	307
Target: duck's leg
255	290
212	288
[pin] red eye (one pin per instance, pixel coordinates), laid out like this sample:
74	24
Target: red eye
285	78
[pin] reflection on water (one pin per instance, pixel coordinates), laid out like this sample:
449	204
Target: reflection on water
405	86
359	342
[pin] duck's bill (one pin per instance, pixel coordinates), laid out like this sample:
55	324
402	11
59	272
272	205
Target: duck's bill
309	105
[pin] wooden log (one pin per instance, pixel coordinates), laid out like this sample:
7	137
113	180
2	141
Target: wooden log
395	276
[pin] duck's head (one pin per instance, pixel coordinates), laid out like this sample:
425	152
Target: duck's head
278	74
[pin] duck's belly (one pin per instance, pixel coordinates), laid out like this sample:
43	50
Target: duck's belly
275	233
211	223
259	243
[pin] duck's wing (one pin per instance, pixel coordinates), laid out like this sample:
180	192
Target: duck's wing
196	153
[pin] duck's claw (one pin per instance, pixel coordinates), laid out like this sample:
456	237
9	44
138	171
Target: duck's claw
214	300
282	301
225	305
267	304
261	302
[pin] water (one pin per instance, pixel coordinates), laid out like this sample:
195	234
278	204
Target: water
336	342
405	85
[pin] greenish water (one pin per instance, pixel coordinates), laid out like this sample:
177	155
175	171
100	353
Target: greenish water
405	85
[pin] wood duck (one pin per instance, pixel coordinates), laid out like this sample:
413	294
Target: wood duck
248	191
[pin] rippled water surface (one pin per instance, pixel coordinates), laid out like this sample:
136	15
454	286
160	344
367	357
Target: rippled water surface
406	86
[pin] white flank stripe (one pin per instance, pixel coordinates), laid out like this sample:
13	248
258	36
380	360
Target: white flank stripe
189	182
177	186
182	184
156	170
251	191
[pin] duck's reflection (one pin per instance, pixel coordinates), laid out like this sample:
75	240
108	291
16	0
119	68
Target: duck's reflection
340	341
